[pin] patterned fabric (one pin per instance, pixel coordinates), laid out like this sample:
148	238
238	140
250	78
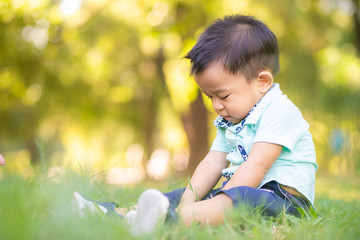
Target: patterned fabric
243	152
228	175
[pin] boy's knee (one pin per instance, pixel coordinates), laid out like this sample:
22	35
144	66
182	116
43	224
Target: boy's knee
187	213
210	211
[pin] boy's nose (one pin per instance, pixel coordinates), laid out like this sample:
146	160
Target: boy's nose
217	106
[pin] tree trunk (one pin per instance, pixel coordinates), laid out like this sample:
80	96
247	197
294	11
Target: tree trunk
195	121
357	26
196	127
149	111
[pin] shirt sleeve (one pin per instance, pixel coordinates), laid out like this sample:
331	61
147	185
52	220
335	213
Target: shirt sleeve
281	123
219	144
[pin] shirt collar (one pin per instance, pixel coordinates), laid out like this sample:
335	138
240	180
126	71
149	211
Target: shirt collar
254	114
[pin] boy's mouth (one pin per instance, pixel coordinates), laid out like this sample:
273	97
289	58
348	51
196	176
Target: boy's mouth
226	117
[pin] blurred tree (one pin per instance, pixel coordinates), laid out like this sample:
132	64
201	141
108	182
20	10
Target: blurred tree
88	68
98	73
356	16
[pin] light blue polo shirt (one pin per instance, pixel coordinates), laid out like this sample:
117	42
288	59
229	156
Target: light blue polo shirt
274	119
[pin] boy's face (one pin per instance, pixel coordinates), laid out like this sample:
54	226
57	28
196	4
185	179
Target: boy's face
231	95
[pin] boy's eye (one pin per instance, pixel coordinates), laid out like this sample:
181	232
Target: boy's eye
222	98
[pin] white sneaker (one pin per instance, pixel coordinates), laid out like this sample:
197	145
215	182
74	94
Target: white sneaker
84	206
152	208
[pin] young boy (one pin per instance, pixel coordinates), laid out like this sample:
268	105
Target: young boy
260	132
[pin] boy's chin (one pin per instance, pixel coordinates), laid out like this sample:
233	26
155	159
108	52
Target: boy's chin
233	121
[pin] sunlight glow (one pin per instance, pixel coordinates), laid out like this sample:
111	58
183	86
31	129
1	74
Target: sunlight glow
180	161
177	77
159	164
134	155
95	57
17	3
158	13
127	10
82	149
346	6
120	94
18	162
235	5
172	44
339	67
69	7
33	93
37	35
34	3
122	176
149	45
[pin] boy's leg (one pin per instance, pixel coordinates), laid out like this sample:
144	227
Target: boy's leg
266	201
270	199
213	210
210	211
83	204
175	198
153	206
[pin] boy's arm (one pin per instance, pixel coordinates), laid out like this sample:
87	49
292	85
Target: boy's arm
205	177
253	170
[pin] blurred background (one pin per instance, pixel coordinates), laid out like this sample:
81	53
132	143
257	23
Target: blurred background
102	87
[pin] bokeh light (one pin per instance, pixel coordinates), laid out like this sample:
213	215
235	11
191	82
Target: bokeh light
69	7
159	164
103	86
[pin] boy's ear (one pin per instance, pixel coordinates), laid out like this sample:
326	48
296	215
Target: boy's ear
265	81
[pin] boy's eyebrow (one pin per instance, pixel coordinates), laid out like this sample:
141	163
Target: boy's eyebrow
217	91
220	90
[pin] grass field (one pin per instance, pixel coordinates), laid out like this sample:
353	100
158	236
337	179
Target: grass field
40	208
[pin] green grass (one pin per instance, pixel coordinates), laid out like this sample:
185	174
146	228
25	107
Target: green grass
40	208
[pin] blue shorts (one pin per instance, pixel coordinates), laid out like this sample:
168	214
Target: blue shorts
270	199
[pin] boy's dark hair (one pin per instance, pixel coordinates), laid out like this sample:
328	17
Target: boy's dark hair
240	43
